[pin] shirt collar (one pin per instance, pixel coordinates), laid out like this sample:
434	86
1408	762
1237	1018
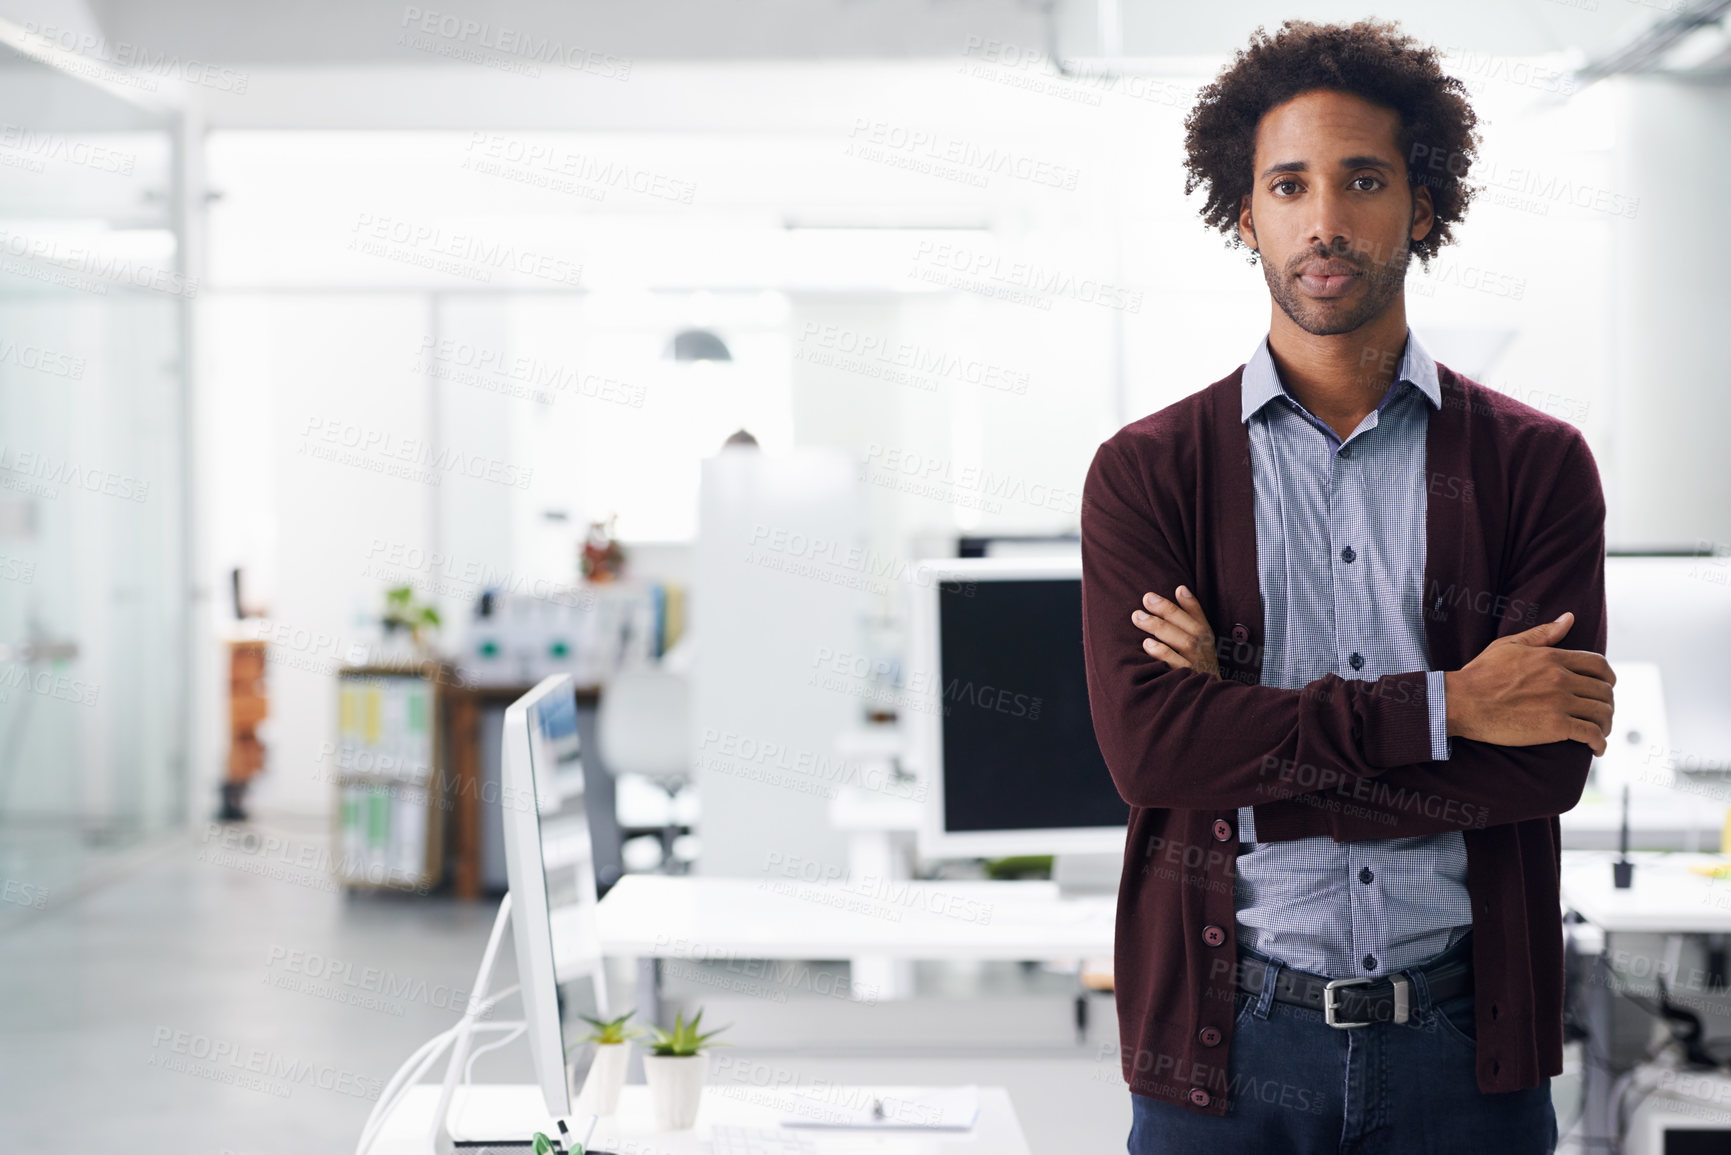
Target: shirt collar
1261	381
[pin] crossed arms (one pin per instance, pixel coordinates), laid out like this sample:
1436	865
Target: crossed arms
1526	715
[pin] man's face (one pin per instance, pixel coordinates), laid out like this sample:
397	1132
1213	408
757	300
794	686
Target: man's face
1330	210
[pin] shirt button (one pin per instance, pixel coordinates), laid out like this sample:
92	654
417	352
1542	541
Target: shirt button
1210	1036
1199	1096
1364	875
1346	555
1369	962
1346	451
1356	661
1222	830
1213	935
1240	633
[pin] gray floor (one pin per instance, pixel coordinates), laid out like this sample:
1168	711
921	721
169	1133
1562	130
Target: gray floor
212	996
201	997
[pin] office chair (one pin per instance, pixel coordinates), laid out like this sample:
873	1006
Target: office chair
644	727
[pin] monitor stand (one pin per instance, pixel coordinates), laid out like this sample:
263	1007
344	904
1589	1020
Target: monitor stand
443	1142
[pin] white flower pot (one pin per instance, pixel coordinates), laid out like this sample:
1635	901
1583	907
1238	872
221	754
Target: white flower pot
675	1087
600	1094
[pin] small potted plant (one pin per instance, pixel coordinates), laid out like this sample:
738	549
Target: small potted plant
417	619
675	1068
600	1093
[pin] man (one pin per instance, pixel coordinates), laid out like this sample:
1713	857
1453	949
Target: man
1344	621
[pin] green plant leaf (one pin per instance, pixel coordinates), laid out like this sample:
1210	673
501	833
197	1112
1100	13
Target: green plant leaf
610	1031
685	1038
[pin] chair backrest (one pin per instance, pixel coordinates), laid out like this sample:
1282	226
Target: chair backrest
644	724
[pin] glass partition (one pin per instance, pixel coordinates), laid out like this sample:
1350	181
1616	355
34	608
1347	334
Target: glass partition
93	660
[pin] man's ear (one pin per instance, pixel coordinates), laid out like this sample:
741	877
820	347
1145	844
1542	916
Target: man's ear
1423	212
1246	226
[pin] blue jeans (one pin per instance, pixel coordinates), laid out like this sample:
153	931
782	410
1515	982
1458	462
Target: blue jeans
1297	1086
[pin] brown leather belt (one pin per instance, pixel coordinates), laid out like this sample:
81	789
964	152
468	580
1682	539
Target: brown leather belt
1359	1002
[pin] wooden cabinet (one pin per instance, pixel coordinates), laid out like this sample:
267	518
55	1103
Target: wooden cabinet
248	705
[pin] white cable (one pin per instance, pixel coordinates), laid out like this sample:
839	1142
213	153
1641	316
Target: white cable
469	1067
426	1055
495	1000
431	1050
393	1091
433	1047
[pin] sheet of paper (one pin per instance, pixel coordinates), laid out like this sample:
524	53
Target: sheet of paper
939	1109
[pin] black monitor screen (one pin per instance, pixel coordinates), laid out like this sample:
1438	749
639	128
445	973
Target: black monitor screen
1019	749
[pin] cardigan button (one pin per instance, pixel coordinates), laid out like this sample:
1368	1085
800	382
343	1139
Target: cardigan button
1199	1097
1210	1036
1240	633
1222	830
1213	935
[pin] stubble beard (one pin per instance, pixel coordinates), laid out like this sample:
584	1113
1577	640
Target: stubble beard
1383	281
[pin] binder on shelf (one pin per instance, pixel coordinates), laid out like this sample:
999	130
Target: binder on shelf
409	833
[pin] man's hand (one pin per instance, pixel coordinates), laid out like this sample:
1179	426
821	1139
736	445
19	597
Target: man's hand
1182	636
1520	692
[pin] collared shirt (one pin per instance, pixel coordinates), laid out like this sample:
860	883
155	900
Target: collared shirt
1515	519
1340	543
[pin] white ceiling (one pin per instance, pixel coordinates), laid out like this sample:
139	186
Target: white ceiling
308	32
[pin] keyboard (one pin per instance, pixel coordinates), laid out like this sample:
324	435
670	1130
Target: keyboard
759	1141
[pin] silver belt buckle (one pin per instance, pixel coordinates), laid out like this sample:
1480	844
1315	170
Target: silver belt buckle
1328	1008
1402	999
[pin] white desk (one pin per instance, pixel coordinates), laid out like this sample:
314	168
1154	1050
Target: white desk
650	917
500	1111
1665	897
662	916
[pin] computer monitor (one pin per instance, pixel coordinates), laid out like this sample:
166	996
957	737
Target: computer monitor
996	713
550	867
1675	611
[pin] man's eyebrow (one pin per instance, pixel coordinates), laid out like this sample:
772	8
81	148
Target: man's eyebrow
1366	162
1346	162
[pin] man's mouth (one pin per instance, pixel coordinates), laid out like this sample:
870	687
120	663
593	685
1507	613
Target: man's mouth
1327	278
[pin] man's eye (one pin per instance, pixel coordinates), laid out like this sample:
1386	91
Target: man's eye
1285	184
1376	182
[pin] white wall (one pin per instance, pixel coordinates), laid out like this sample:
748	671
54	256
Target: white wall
282	373
763	146
1670	484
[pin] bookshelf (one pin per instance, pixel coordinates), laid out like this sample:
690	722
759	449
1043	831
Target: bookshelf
388	776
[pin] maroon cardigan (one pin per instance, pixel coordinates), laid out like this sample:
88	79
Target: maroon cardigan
1515	535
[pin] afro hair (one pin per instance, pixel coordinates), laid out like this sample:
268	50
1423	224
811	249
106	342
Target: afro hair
1372	59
